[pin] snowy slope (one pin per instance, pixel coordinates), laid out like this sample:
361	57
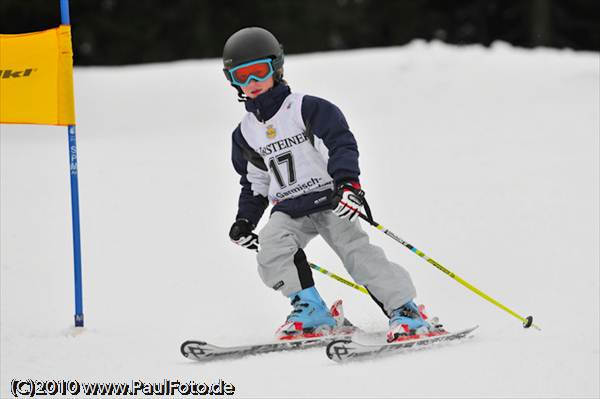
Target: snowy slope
485	159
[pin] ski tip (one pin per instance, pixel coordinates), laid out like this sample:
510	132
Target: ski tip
470	330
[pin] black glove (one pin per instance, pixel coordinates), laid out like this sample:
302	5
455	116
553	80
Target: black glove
347	200
241	234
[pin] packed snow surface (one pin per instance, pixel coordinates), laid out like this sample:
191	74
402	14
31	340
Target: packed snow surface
486	159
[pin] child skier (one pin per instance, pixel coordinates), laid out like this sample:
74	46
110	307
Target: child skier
297	152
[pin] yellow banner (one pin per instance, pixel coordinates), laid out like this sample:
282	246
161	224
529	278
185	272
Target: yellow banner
36	78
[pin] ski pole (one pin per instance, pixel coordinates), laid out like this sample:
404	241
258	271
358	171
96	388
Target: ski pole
527	321
338	278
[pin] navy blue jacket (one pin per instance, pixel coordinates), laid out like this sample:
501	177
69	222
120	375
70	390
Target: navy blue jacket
322	119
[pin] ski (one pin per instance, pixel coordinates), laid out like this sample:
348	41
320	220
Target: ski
203	351
342	350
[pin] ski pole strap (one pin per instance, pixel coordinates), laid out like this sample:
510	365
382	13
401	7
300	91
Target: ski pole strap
367	211
338	278
527	321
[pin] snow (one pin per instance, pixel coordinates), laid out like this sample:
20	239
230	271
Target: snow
485	159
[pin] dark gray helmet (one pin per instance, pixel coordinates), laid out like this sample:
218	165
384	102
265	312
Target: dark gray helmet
250	44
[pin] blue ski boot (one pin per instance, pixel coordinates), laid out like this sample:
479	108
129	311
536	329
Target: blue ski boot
310	315
408	320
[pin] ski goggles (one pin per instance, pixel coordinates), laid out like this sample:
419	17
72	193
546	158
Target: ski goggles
259	70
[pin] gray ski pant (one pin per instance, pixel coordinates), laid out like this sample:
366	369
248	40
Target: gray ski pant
283	266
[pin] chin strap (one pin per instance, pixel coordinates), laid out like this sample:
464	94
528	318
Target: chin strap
241	96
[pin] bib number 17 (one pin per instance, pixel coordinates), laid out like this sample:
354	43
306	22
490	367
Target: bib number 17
283	159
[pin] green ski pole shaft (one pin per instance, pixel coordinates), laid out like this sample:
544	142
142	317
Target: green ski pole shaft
338	278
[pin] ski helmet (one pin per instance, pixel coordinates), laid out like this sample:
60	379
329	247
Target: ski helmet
251	44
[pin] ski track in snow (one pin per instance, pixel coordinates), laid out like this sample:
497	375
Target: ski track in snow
485	159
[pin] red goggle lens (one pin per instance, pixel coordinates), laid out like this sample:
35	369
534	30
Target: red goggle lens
260	70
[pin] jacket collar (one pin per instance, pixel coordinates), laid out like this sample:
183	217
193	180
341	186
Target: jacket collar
265	106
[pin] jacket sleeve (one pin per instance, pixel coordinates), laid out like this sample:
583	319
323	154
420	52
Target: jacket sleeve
325	121
254	179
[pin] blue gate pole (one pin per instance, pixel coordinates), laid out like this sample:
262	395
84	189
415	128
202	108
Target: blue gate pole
66	20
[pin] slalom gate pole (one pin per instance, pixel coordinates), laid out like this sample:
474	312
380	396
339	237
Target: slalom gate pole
338	278
65	20
527	321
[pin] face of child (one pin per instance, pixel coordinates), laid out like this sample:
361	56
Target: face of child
255	89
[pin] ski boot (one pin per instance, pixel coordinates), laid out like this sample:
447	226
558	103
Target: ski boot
410	322
309	316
